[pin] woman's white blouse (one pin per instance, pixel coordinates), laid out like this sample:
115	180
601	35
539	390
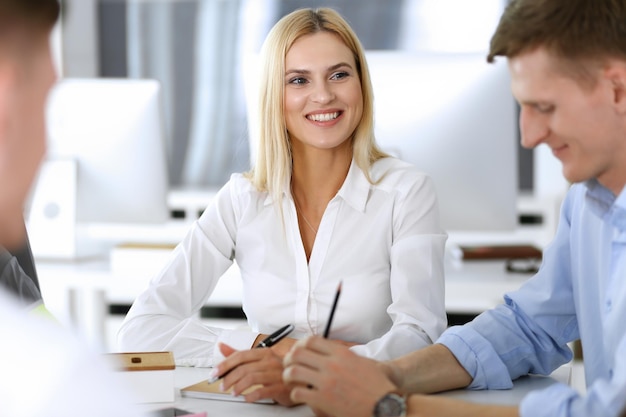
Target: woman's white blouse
382	240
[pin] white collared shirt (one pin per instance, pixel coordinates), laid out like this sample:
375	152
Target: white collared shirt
382	240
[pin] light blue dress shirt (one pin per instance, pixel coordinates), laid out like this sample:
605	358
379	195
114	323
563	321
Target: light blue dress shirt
579	292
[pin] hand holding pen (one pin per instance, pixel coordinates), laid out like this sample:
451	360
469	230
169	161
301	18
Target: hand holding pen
269	341
252	368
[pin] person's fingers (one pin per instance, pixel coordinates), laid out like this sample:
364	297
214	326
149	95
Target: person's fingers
320	345
236	359
303	354
316	353
301	394
300	374
263	367
226	350
255	374
223	366
278	392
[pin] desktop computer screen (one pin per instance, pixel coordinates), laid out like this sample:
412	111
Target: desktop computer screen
113	129
105	166
454	117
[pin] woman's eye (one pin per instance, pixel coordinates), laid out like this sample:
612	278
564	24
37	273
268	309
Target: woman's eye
297	81
339	75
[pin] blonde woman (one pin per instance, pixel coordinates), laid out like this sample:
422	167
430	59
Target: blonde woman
323	204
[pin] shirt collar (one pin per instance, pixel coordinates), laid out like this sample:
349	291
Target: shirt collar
354	190
604	204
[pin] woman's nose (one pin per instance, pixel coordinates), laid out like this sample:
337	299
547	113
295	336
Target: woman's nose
323	93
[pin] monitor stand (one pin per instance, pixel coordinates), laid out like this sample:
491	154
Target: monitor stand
51	219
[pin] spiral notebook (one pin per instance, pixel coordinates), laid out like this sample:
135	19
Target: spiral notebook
212	392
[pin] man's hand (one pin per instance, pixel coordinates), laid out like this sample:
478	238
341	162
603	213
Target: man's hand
334	381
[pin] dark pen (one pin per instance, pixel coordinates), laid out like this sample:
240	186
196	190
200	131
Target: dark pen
269	341
276	337
330	317
332	311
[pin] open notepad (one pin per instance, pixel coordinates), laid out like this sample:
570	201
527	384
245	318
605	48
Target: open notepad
212	392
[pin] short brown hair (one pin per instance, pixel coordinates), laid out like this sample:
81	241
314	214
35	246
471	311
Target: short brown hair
28	15
578	32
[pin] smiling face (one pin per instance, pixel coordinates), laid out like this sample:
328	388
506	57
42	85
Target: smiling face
323	102
585	126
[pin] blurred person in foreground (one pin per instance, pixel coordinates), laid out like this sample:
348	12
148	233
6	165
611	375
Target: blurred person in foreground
45	370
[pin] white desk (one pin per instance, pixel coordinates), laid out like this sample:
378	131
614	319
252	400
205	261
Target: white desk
214	408
475	286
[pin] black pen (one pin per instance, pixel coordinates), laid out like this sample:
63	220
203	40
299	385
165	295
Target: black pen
275	337
332	311
270	340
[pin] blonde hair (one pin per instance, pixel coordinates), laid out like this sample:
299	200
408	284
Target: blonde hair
272	170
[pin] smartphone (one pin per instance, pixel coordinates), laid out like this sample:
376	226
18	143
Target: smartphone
170	412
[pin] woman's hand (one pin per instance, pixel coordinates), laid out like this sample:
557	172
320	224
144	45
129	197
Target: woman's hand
281	348
254	367
284	346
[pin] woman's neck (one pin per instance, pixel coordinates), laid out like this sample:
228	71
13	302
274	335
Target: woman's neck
317	176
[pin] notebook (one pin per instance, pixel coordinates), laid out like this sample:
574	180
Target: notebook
212	392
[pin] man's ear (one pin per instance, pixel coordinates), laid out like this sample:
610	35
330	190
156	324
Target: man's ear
615	72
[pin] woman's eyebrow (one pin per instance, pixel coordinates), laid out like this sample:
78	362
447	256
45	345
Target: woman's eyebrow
339	65
329	69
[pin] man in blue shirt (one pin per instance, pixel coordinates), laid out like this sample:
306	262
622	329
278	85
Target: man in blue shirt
567	60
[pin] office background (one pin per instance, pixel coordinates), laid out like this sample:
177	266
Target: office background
194	48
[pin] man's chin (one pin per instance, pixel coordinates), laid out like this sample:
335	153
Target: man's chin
12	231
572	176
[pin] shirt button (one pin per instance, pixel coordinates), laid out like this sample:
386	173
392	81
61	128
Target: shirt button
609	304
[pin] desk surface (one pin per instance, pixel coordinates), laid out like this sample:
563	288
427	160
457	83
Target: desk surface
475	286
187	376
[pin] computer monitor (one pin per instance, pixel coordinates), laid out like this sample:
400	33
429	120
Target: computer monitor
106	162
113	128
454	117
